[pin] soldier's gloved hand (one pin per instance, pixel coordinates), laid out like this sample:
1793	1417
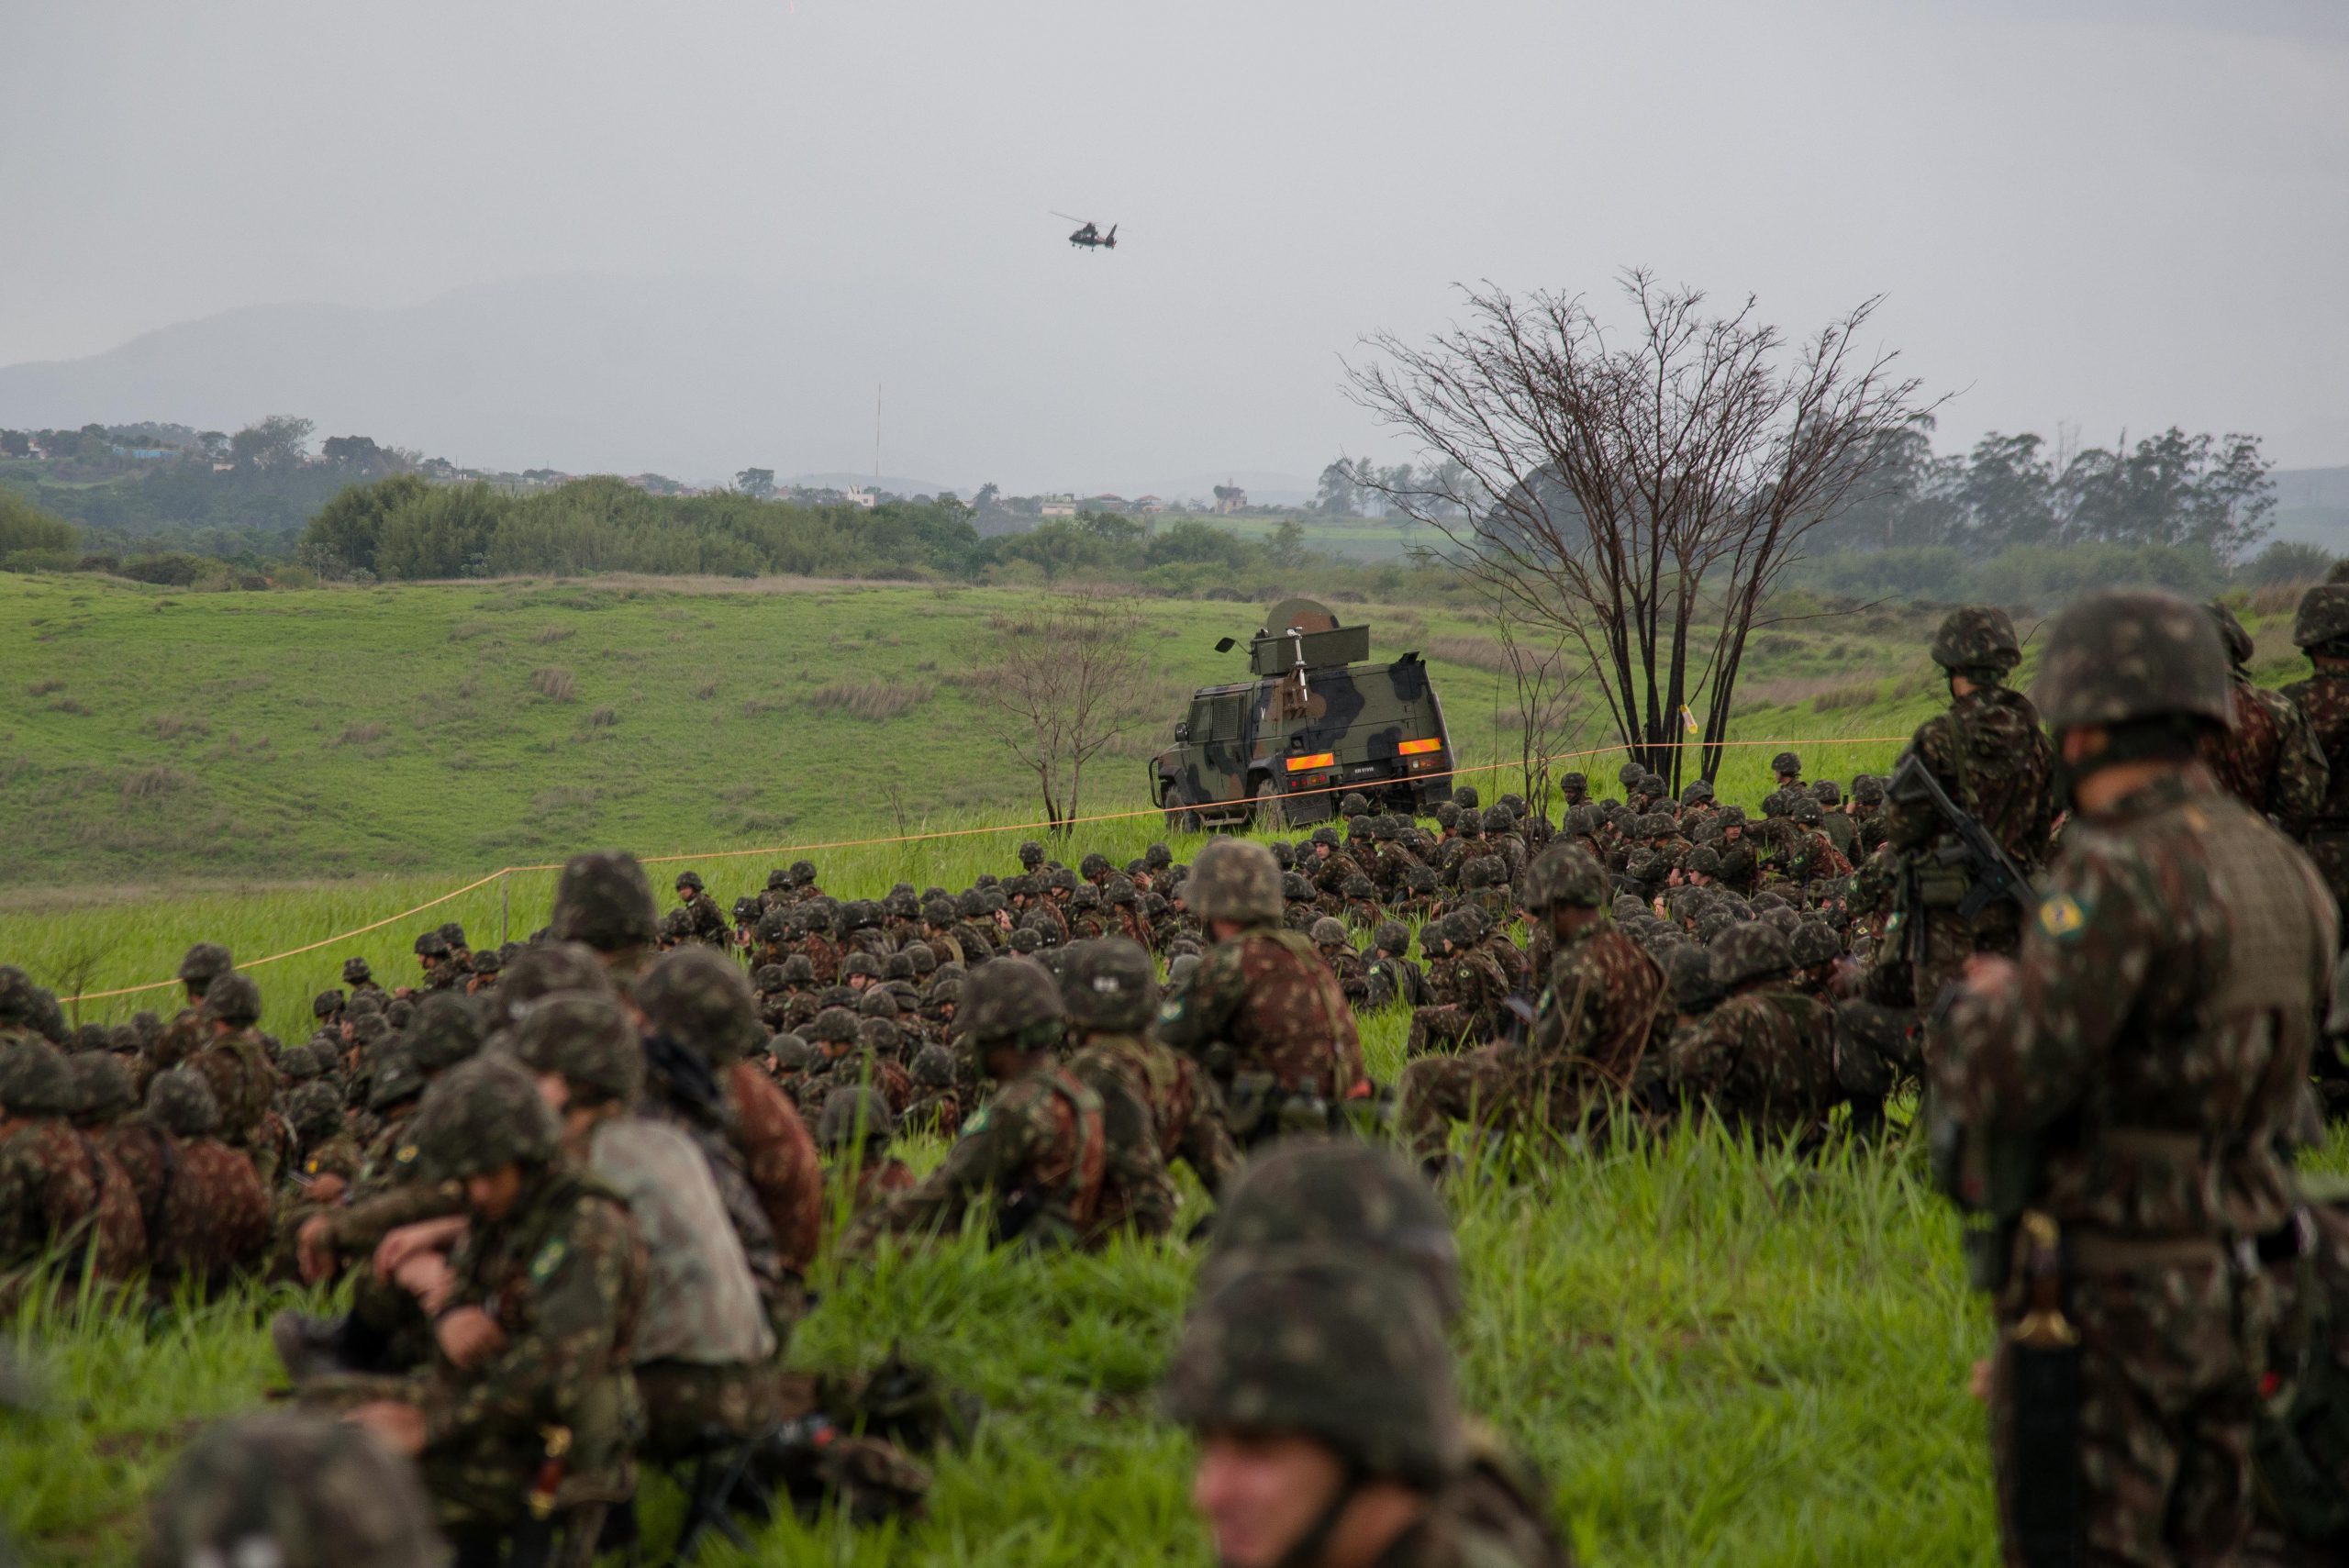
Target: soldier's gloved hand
469	1336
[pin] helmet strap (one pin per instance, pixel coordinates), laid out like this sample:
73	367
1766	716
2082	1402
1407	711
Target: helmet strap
1308	1548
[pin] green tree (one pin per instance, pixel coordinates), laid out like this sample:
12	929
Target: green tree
346	534
279	441
756	483
443	532
24	526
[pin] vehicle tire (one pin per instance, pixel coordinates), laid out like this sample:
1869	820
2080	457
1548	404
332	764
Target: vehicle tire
1266	814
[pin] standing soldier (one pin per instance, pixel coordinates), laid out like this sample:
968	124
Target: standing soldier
1037	1150
1263	1013
186	1033
1993	763
709	924
2268	757
2321	630
2116	1099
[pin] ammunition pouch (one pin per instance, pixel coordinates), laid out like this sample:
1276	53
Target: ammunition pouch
1939	886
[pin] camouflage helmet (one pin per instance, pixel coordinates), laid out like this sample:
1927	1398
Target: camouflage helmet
1688	973
605	900
482	1115
1786	763
34	1079
1012	1003
1500	819
1350	1198
1325	834
1564	873
2127	655
799	969
1868	789
1752	950
698	997
444	1030
1573	781
1814	943
1110	986
1392	936
1327	932
1827	792
356	972
2324	616
858	963
549	969
1698	792
853	1114
1467	797
791	1053
877	1003
832	1026
933	1067
431	944
1180	968
778	880
690	880
291	1489
588	1042
1158	857
1350	1353
204	963
1094	865
768	979
327	1004
315	1112
394	1076
101	1086
1805	809
182	1103
1032	854
233	998
803	873
1976	638
1235	879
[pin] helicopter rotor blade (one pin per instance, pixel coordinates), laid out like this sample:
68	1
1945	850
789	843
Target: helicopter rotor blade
1065	217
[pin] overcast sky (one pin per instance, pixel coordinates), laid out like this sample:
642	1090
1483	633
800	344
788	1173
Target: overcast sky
2114	212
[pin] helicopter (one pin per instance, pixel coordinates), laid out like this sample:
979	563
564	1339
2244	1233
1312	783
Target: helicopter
1089	237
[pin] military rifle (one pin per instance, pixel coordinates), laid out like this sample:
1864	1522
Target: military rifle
1992	872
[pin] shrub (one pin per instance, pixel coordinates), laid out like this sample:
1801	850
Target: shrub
554	682
870	700
551	634
604	719
2285	563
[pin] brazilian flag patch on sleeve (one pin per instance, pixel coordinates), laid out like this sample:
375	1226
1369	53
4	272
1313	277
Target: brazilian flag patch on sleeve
2060	915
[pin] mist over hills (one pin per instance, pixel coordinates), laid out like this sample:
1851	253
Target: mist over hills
697	377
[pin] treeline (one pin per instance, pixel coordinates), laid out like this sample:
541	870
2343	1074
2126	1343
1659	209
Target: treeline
2202	493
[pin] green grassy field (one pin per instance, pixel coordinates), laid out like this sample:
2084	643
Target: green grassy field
1719	1356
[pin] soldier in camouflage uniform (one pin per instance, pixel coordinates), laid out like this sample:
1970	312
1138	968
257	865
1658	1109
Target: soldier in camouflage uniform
704	1346
213	1219
534	1319
706	923
292	1490
2268	757
1111	993
1316	1198
1991	758
604	901
189	1028
1467	986
1590	1031
59	1192
360	979
854	1130
1037	1150
2321	630
1263	1014
236	1064
1390	974
437	966
2120	1092
1330	1436
1764	1059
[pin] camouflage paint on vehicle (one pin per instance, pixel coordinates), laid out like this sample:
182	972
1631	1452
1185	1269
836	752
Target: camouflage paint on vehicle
1317	718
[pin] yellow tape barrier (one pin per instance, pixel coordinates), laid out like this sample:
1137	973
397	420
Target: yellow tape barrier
1812	742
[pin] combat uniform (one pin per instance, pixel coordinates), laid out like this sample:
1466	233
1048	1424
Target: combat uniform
2151	1054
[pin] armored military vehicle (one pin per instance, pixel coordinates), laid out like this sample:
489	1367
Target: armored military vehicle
1315	720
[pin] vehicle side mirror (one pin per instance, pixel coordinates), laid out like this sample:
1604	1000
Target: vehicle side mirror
1182	732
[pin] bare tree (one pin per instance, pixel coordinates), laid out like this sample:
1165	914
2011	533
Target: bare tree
1638	501
1068	684
1543	669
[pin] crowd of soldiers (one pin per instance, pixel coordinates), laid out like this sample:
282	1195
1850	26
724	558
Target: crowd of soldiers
577	1184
